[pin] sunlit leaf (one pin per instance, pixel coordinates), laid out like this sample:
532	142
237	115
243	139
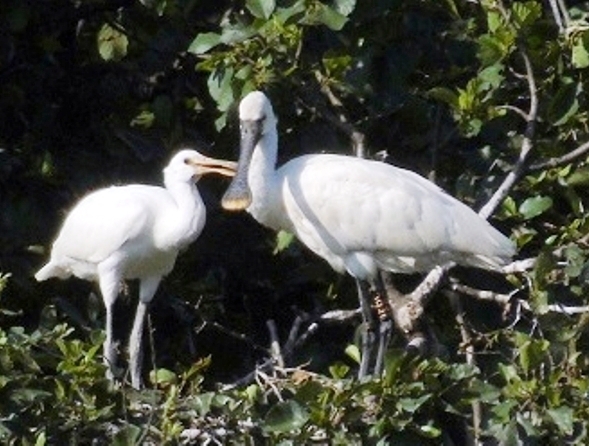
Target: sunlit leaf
526	13
339	370
112	43
491	77
283	241
564	418
580	55
430	431
534	206
204	42
163	377
344	7
330	17
261	9
353	352
531	353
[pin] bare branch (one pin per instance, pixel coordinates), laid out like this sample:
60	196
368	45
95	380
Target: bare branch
339	316
505	299
519	266
491	296
580	151
477	411
515	109
556	14
527	144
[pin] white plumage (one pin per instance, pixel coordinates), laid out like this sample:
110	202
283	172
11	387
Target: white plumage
359	215
133	232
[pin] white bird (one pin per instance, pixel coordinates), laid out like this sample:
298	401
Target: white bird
357	214
133	232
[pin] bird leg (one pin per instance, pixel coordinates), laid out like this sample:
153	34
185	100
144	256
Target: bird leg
109	288
383	311
368	334
147	289
136	345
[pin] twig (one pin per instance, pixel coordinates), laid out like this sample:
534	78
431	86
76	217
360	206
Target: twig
340	316
275	350
477	411
506	299
434	278
260	375
559	161
527	144
341	120
291	341
240	336
556	14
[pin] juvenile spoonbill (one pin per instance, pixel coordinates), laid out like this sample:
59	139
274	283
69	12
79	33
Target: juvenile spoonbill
133	232
357	214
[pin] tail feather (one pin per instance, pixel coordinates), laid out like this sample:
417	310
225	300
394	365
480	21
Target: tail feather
48	271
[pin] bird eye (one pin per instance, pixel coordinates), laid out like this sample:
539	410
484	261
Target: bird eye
186	160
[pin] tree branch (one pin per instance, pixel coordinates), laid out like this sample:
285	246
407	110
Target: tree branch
580	151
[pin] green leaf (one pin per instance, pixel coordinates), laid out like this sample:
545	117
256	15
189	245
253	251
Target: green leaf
430	431
575	261
411	405
203	403
128	436
330	18
564	105
353	352
286	416
532	352
283	241
580	177
534	206
163	377
112	43
580	55
344	7
339	370
204	42
526	13
41	439
262	9
220	88
284	14
491	77
236	34
490	50
563	417
445	95
494	21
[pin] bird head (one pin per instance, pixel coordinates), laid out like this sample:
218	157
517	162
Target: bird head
189	165
256	119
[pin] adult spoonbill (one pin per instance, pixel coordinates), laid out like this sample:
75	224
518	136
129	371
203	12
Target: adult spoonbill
133	232
357	214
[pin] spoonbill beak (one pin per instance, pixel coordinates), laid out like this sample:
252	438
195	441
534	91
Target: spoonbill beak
205	165
238	195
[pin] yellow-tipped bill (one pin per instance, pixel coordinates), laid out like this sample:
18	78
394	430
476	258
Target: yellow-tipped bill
205	165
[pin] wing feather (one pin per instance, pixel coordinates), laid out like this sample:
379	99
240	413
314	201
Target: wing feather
105	220
343	204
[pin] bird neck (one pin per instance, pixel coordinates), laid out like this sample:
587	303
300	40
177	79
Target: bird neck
262	177
184	225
